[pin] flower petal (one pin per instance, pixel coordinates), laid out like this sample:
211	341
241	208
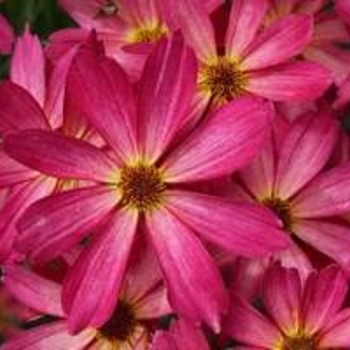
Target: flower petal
245	324
52	225
279	42
50	336
332	239
323	296
205	298
19	110
327	195
112	97
290	82
28	53
33	290
92	286
166	90
242	228
193	20
227	140
245	20
282	296
304	152
60	156
7	36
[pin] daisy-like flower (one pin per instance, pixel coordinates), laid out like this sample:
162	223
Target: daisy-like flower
138	186
287	177
298	317
253	61
7	36
128	29
328	35
142	299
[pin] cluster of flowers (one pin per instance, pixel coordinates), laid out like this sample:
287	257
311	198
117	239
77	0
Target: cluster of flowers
175	176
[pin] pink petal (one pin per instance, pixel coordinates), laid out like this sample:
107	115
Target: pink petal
245	20
181	332
60	156
282	296
323	296
245	324
28	53
16	203
194	22
167	88
279	42
228	139
92	286
19	110
205	298
12	172
33	290
112	97
294	81
50	336
304	152
54	224
343	9
7	36
336	333
332	239
259	175
327	195
241	228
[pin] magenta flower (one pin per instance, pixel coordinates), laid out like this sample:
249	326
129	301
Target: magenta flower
298	316
253	60
137	186
142	299
288	177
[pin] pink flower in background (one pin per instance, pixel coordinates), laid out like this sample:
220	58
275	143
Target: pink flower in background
138	186
252	61
287	177
297	316
142	299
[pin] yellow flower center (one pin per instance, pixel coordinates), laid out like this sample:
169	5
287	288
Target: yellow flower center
224	79
148	33
282	209
142	187
121	326
299	343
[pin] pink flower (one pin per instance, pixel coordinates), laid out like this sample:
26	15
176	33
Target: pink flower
253	60
138	186
287	177
329	32
298	316
142	299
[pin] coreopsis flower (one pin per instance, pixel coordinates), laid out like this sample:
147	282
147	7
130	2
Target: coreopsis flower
289	178
253	60
296	315
7	36
139	186
328	35
128	29
142	299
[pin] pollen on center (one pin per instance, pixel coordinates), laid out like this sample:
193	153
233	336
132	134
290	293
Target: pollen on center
142	187
299	343
147	33
224	79
121	326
